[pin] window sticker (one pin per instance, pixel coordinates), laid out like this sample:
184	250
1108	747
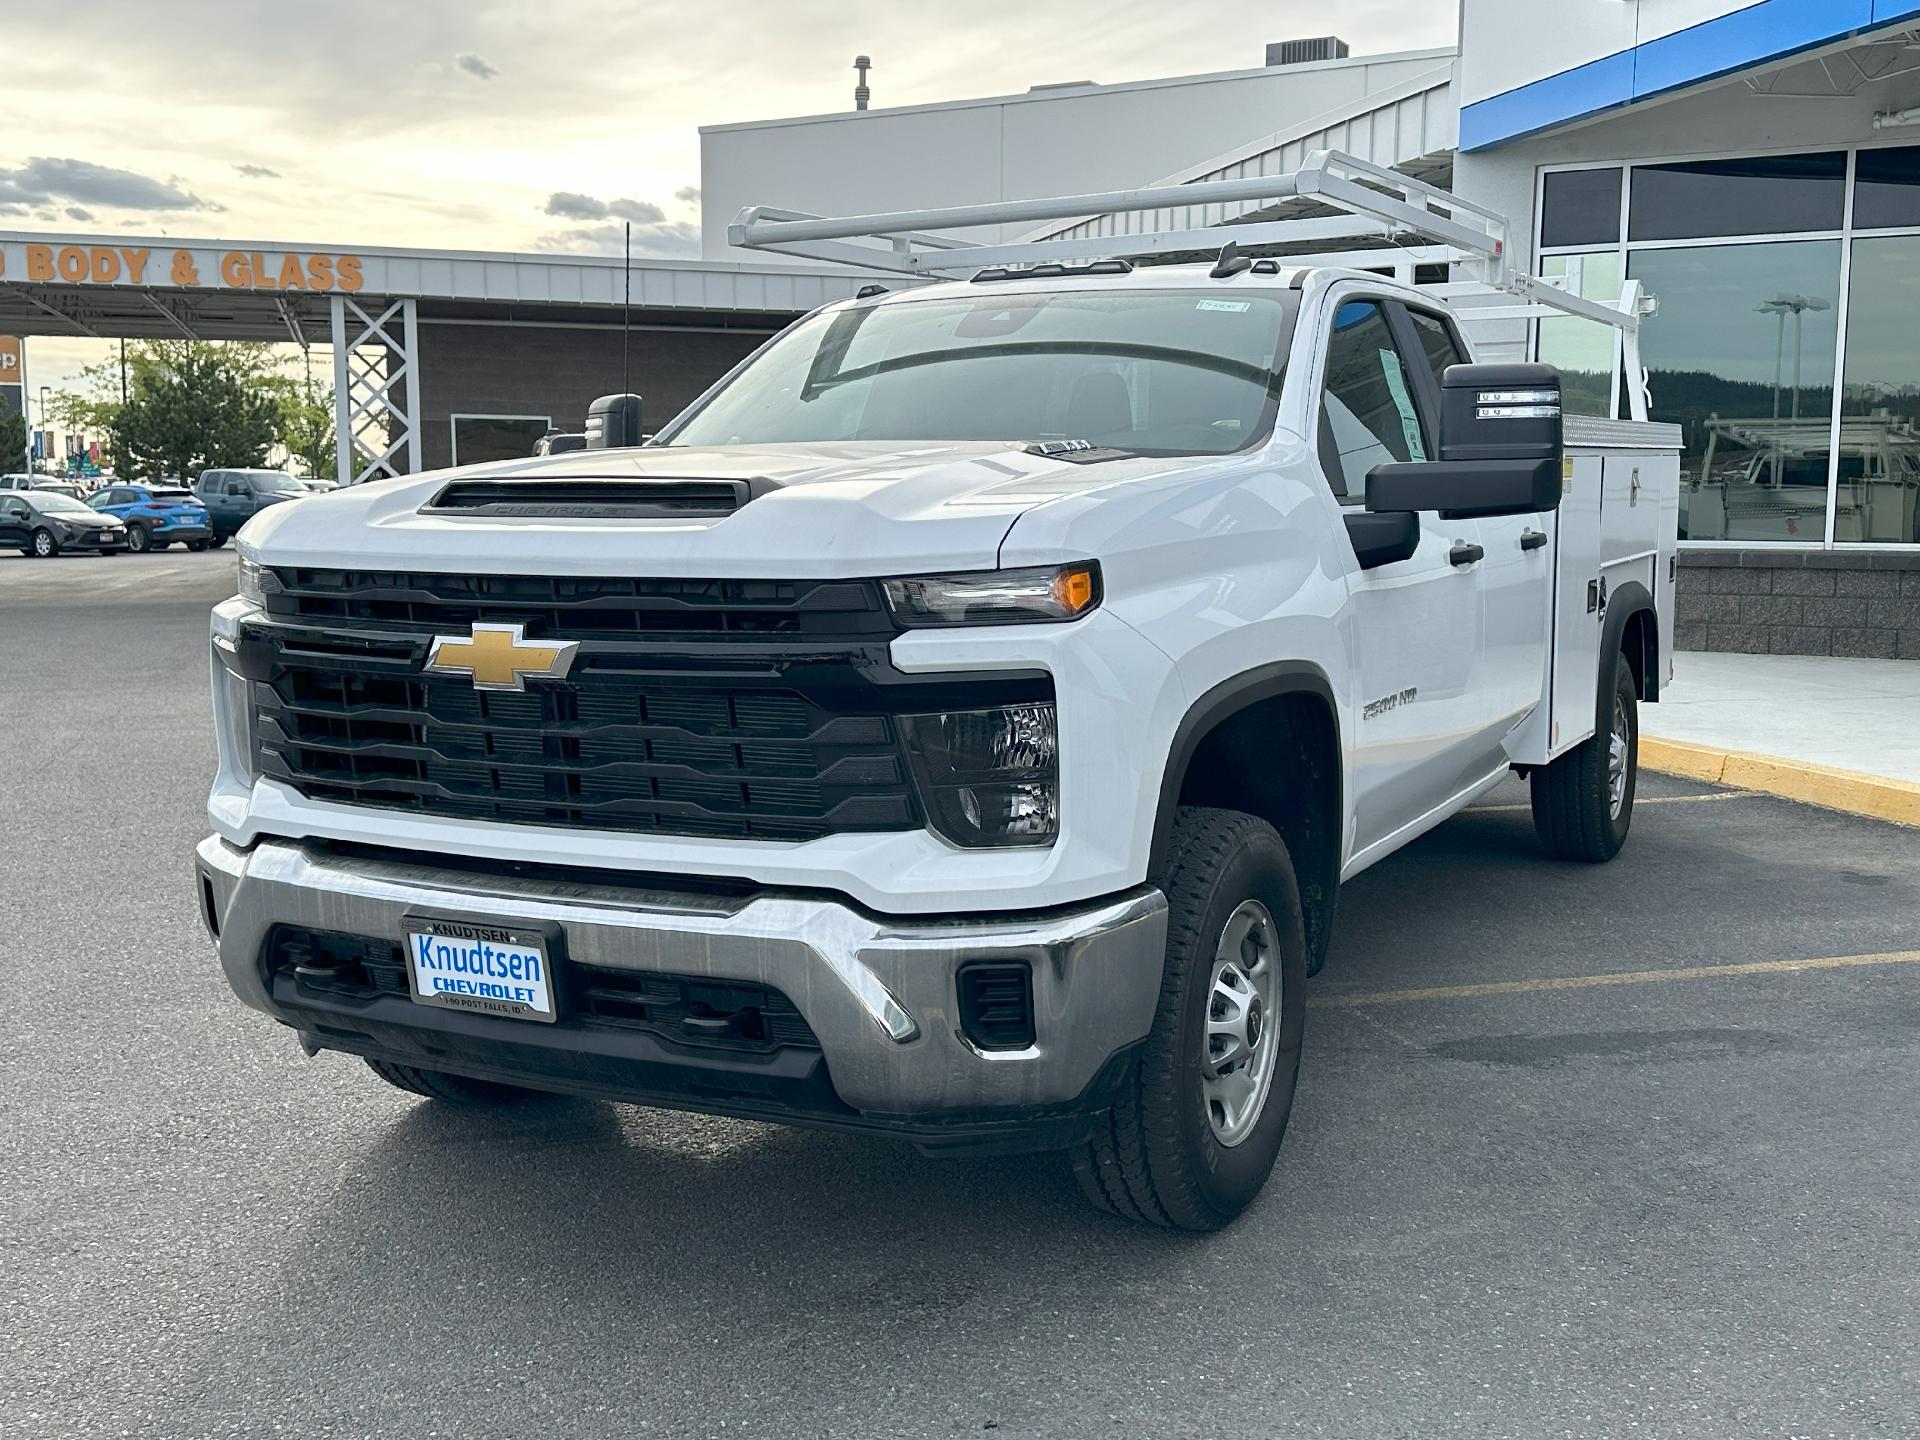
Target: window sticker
1403	402
1232	307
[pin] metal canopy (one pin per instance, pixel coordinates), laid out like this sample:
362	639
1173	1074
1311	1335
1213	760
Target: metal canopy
369	303
1395	221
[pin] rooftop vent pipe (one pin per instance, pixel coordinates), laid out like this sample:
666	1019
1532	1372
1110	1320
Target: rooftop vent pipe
861	92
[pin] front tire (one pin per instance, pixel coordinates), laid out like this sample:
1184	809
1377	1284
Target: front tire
138	540
1205	1102
45	547
446	1088
1583	802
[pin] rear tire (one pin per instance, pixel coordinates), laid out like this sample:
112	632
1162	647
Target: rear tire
446	1088
217	541
1583	802
196	545
45	547
1188	1146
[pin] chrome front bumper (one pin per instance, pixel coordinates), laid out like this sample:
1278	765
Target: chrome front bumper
878	994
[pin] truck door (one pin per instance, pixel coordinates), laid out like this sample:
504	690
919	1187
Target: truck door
1516	573
1412	626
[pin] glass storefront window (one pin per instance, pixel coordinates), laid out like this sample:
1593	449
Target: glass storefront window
1750	195
1741	355
1580	207
481	438
1583	349
1886	188
1879	490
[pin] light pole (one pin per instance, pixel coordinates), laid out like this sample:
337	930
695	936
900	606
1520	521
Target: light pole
46	427
1781	306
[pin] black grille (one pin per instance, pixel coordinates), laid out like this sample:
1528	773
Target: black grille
688	1010
581	608
745	709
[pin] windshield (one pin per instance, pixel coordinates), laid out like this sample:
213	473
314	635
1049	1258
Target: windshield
1155	372
52	503
276	482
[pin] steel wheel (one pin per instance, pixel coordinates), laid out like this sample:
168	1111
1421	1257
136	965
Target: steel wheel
1243	1008
1617	744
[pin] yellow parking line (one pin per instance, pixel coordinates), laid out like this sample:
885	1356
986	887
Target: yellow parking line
1637	800
1624	977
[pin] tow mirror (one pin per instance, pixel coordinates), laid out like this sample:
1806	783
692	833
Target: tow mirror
613	422
1501	446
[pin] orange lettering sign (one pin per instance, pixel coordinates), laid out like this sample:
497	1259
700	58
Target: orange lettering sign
39	262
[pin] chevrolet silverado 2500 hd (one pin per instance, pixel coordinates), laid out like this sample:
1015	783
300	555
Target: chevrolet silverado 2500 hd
958	724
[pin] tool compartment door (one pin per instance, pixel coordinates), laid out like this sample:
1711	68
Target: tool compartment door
1577	615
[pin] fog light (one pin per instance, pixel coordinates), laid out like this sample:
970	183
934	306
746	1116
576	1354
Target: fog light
989	777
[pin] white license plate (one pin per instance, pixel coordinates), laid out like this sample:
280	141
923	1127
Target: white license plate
489	969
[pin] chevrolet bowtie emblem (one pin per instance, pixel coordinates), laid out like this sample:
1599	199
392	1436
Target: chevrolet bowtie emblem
500	657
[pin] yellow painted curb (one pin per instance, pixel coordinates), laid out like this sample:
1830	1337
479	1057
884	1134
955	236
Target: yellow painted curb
1874	796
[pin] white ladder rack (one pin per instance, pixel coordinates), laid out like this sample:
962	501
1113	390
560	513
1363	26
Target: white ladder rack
1377	205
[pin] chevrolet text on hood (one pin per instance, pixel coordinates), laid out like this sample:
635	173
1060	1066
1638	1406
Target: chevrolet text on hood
959	723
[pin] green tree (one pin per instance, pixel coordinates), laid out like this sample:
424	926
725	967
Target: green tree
13	441
303	423
191	405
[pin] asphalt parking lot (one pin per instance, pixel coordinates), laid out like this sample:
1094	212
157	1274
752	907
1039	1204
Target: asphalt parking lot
1512	1203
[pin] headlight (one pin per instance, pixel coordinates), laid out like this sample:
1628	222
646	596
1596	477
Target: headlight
990	777
233	708
1046	593
251	589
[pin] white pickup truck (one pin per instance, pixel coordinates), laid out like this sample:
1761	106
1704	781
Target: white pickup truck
958	724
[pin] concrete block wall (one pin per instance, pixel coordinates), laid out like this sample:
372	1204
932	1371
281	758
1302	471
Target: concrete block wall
1861	603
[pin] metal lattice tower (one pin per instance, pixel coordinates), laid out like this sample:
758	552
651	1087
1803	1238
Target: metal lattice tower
376	390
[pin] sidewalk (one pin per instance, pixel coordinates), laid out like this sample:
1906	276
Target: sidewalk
1842	733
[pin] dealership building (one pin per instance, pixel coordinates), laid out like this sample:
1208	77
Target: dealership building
1756	166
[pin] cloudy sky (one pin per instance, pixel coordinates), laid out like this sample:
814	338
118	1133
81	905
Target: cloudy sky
526	124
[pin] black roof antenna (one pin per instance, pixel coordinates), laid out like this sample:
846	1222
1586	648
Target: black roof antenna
1230	263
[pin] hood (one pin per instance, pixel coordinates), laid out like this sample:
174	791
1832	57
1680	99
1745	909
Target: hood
812	511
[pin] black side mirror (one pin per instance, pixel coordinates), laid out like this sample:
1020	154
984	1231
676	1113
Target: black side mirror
1383	539
1501	446
613	422
1501	412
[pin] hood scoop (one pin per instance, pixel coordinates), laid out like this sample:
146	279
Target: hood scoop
577	498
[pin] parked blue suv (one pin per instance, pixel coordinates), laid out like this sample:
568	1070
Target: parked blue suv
157	515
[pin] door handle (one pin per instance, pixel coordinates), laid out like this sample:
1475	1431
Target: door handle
1465	554
1532	539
